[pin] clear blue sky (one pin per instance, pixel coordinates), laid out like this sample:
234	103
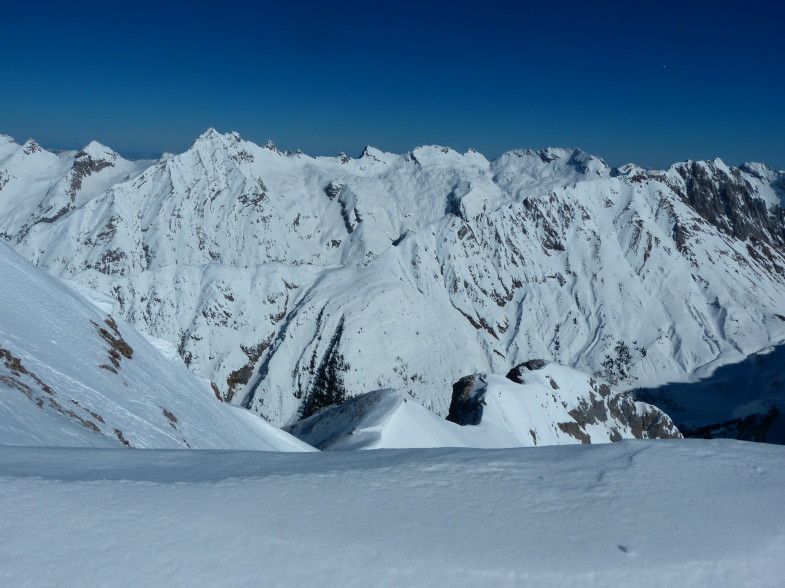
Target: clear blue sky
651	82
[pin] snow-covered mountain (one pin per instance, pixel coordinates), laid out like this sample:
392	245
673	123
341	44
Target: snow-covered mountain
537	403
294	282
72	376
39	186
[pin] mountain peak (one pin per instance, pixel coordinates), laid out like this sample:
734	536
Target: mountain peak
97	151
31	146
210	133
213	137
210	137
372	153
586	163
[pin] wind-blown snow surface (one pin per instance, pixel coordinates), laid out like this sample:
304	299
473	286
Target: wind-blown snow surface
71	375
637	513
292	282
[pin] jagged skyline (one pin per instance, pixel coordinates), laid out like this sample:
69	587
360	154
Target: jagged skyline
651	86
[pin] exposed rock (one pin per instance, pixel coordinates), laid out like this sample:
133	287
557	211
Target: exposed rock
729	202
574	430
467	400
516	374
644	420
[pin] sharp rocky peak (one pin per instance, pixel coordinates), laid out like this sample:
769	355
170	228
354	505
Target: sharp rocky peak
213	137
31	146
372	153
98	152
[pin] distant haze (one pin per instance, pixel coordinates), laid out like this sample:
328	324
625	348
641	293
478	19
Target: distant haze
626	82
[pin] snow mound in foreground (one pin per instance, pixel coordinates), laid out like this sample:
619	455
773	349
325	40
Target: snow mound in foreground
687	513
547	404
71	375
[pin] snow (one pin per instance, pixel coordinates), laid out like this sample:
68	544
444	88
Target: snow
405	271
437	265
537	412
688	513
384	419
70	375
98	151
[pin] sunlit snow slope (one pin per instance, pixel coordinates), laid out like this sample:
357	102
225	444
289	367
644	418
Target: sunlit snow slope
71	375
688	513
294	282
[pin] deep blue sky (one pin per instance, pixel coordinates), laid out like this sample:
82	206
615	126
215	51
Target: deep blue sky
651	83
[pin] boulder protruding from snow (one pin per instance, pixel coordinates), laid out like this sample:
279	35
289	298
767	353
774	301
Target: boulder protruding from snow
467	400
516	374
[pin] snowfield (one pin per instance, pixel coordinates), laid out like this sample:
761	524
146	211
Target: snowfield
636	513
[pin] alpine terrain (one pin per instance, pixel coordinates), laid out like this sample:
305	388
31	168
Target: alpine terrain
72	376
293	283
388	302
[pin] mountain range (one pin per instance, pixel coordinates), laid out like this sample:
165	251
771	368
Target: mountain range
292	283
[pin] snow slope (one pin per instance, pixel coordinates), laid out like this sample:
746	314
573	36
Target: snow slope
542	403
382	419
745	400
547	405
71	375
294	282
689	513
